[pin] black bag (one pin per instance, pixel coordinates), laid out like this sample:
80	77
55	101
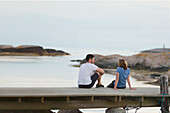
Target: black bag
111	85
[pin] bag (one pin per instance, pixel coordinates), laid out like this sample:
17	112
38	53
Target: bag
111	85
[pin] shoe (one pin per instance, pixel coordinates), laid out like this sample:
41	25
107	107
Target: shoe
99	86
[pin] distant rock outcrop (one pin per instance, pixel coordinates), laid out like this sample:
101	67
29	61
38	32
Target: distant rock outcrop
29	50
5	46
55	52
156	61
157	50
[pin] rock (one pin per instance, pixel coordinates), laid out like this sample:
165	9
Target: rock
152	61
110	61
29	50
114	110
51	50
5	46
157	50
60	51
155	75
55	52
106	64
70	111
8	50
76	60
159	62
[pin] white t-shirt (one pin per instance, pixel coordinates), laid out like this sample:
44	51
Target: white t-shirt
85	73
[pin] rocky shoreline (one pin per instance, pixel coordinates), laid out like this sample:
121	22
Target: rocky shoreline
159	62
29	50
145	66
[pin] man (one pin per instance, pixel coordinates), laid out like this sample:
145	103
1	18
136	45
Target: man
89	73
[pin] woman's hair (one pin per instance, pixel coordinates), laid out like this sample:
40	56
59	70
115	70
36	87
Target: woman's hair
123	64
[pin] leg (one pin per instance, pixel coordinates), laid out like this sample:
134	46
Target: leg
99	84
93	78
111	85
99	79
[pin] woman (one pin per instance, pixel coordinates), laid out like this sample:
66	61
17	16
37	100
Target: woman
122	74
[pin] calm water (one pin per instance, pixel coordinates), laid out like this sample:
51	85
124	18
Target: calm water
24	71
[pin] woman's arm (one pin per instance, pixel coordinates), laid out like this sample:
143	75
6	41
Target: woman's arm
128	79
116	81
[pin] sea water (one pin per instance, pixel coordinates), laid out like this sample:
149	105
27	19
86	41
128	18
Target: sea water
48	71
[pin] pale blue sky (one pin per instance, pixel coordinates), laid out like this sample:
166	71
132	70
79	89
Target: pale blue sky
130	25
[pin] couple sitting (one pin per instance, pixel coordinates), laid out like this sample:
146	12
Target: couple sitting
89	73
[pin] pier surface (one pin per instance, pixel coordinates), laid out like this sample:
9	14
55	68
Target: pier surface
46	98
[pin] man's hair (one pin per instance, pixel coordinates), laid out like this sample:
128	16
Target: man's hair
89	56
123	64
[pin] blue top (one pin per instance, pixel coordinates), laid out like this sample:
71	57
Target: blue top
123	75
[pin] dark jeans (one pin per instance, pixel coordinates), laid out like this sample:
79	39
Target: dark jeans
94	77
112	84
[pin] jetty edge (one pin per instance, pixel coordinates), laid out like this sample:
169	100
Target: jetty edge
48	98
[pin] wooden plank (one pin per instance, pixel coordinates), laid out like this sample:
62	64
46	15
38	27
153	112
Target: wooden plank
92	99
68	99
142	99
64	92
19	100
77	103
42	99
120	98
115	98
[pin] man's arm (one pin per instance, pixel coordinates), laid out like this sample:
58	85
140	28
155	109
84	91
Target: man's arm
101	71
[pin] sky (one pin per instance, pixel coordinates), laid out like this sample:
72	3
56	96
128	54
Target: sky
127	25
